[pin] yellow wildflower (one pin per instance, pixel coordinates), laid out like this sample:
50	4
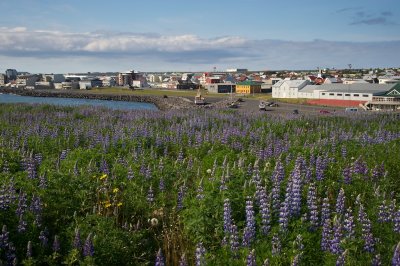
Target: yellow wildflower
103	176
108	205
119	204
115	190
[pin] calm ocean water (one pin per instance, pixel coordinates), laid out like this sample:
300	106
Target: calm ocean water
121	105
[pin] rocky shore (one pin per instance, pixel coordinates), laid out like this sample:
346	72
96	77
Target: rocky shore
162	103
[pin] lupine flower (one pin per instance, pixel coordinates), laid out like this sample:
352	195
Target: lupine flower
326	235
43	238
227	220
130	175
325	212
337	237
340	209
251	259
179	204
298	243
21	224
265	211
29	250
150	195
284	215
312	206
396	221
349	225
200	191
341	258
161	185
376	260
183	261
367	236
296	260
295	191
199	254
11	257
77	240
234	241
159	258
276	245
88	248
346	173
36	208
383	215
396	256
4	238
249	233
56	244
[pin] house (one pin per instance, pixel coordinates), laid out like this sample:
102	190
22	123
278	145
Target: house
248	87
3	79
89	83
288	88
221	87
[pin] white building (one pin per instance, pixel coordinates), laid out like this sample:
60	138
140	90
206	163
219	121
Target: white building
288	88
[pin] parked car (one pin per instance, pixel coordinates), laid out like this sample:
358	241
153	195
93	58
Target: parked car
295	112
324	112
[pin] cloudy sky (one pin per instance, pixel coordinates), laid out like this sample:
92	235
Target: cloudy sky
184	35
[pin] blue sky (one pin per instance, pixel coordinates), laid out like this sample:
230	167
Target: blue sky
181	35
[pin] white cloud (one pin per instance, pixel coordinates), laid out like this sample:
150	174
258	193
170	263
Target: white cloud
113	49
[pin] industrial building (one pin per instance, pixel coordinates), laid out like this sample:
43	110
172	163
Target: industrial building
221	87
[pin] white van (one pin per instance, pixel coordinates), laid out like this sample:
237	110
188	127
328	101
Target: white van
351	109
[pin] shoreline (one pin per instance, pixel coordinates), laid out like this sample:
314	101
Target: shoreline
161	102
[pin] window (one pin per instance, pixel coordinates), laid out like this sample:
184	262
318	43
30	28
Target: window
331	94
339	94
365	95
347	94
323	93
356	95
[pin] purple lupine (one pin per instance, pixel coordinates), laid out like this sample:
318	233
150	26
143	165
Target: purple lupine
276	245
249	232
200	254
326	235
183	261
159	258
334	246
200	191
376	260
383	215
29	250
234	241
130	174
88	248
298	243
346	173
265	211
295	191
325	212
227	221
179	203
77	240
4	237
320	166
150	195
296	260
21	224
312	206
284	215
396	256
391	210
378	172
148	173
43	238
344	151
396	221
251	259
161	184
36	208
11	256
22	205
340	208
56	244
341	258
349	225
223	185
367	236
360	167
42	181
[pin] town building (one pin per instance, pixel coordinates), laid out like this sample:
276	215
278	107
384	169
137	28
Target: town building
125	78
11	74
221	87
3	79
288	88
26	80
90	83
248	87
